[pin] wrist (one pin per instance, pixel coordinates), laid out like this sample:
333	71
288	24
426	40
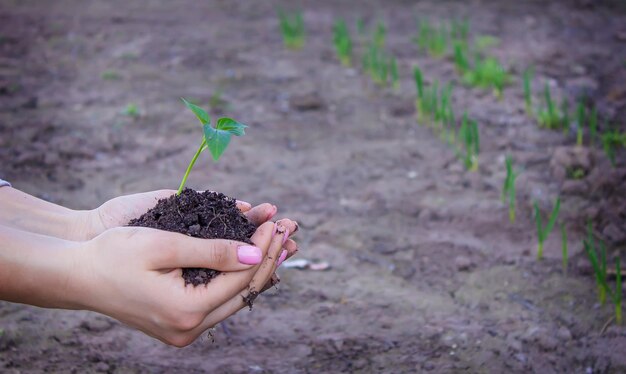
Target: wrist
39	270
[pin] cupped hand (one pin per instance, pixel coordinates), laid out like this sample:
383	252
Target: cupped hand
134	275
120	210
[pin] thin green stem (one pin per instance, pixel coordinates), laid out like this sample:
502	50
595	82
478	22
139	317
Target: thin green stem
191	164
539	250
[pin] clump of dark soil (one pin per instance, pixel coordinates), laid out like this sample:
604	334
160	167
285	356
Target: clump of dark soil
207	215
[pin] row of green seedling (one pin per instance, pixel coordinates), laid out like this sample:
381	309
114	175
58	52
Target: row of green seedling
434	107
552	116
435	40
597	257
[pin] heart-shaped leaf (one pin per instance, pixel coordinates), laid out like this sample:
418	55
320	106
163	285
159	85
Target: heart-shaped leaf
216	140
199	112
232	126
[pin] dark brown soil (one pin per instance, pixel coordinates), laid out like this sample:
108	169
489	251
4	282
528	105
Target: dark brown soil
207	215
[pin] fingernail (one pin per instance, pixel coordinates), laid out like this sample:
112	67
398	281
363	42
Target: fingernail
247	204
272	212
249	255
283	256
275	229
297	226
285	235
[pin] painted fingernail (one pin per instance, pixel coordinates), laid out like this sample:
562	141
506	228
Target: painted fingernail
283	256
249	255
275	229
285	235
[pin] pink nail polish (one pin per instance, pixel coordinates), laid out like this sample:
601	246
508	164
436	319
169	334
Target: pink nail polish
249	255
275	229
286	235
283	256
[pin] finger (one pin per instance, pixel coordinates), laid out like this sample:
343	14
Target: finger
224	287
169	250
275	254
243	206
261	213
290	225
231	307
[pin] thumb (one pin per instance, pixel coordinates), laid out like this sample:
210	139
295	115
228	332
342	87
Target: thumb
174	250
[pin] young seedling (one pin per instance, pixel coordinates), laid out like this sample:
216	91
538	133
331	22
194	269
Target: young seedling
488	73
580	121
550	117
131	110
418	77
215	139
617	296
460	58
528	77
379	35
593	125
508	190
598	264
611	139
292	29
564	253
468	134
432	40
543	232
342	42
459	30
393	71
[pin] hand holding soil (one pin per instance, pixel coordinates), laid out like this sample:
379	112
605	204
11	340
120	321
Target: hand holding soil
134	273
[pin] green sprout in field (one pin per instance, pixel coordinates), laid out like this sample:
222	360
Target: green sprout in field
342	42
543	232
564	254
551	117
598	264
617	296
382	68
580	122
215	139
418	77
432	39
380	34
611	139
528	101
292	29
131	110
593	125
461	61
469	136
508	190
459	30
484	42
488	73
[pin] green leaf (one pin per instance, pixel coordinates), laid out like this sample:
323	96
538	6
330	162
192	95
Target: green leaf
216	140
231	126
199	112
553	216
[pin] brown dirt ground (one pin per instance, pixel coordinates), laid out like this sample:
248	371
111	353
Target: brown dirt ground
427	273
